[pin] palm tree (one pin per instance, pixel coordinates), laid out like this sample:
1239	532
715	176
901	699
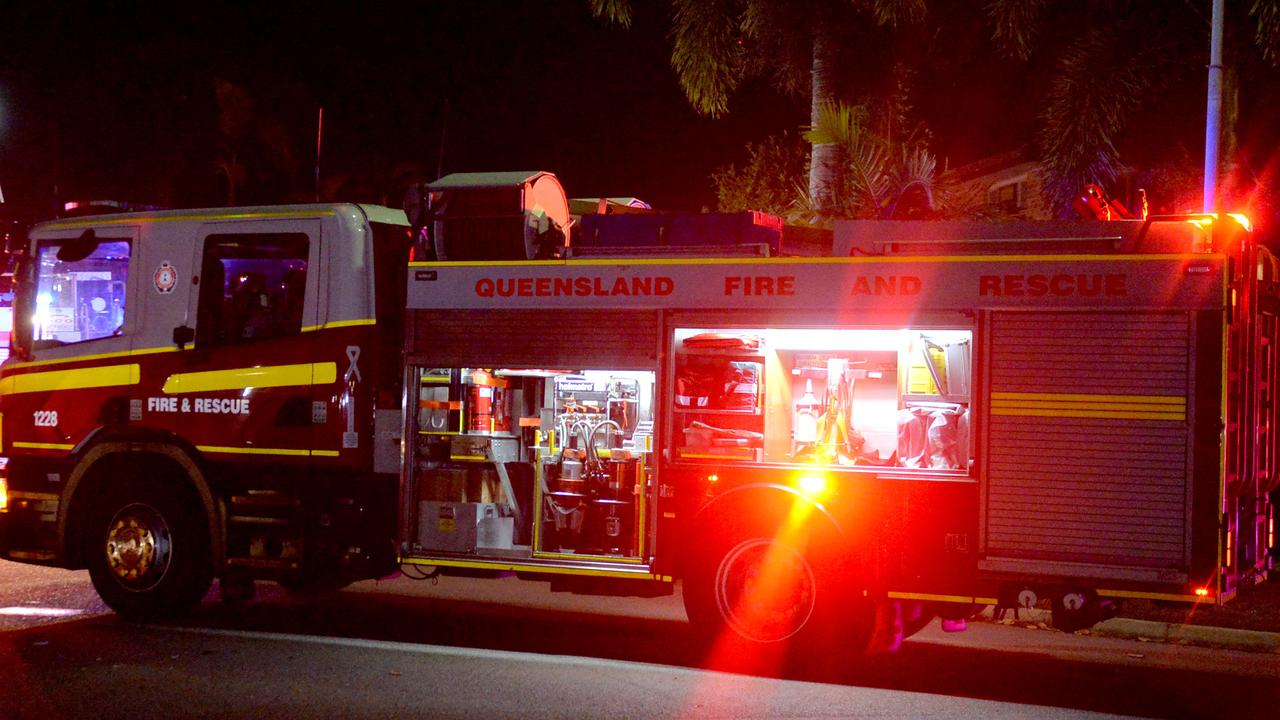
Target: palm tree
717	44
875	173
1121	65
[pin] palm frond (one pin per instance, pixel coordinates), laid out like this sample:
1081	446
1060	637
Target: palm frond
1016	24
895	12
837	124
870	182
1268	33
915	171
1082	116
618	12
779	43
706	54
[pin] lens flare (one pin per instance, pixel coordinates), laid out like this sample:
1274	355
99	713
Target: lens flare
815	486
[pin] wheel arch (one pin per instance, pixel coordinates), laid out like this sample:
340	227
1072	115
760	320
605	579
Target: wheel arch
765	507
92	474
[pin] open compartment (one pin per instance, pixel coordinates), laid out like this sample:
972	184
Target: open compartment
528	463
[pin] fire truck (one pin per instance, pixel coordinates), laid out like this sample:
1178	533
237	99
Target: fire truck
822	450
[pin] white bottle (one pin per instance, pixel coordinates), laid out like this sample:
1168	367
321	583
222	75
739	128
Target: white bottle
807	407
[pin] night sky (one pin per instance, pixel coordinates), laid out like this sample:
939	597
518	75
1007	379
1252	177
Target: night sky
100	103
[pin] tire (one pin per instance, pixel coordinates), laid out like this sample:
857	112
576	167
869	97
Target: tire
1075	610
148	550
763	604
916	616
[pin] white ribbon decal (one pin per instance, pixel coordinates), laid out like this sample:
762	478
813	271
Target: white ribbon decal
353	354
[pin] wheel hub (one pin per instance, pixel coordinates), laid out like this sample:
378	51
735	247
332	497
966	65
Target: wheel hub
138	547
765	590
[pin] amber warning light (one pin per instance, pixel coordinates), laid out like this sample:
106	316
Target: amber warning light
815	486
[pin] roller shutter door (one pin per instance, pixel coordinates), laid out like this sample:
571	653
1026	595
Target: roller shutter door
1088	438
581	339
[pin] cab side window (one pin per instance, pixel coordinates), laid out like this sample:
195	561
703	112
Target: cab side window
252	287
80	290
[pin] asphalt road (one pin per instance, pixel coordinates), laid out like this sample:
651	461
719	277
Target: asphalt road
506	648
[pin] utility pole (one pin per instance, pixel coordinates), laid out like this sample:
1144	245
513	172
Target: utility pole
1213	115
319	139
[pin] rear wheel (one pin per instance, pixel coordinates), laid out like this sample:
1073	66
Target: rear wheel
148	549
1075	610
763	603
765	591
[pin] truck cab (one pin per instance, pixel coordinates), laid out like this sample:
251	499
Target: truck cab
193	393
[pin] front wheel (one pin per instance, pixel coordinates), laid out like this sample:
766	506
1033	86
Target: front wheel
148	550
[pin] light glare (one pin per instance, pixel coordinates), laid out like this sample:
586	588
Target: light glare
815	487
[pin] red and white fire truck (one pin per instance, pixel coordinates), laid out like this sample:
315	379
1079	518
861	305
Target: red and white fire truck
931	417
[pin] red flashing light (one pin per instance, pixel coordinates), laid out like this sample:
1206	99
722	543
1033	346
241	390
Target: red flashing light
1202	592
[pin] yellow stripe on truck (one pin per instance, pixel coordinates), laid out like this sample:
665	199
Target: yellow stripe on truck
1079	405
77	379
252	377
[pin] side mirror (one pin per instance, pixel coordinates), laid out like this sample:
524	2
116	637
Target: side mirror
183	336
79	248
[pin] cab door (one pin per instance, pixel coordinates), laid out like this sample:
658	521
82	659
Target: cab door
243	388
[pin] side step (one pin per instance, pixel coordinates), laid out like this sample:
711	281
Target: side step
265	531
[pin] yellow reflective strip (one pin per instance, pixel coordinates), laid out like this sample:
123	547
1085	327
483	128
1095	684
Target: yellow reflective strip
267	451
25	495
876	260
580	556
76	379
90	358
135	220
253	450
1122	407
935	598
252	377
340	324
1153	596
32	554
531	567
42	446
